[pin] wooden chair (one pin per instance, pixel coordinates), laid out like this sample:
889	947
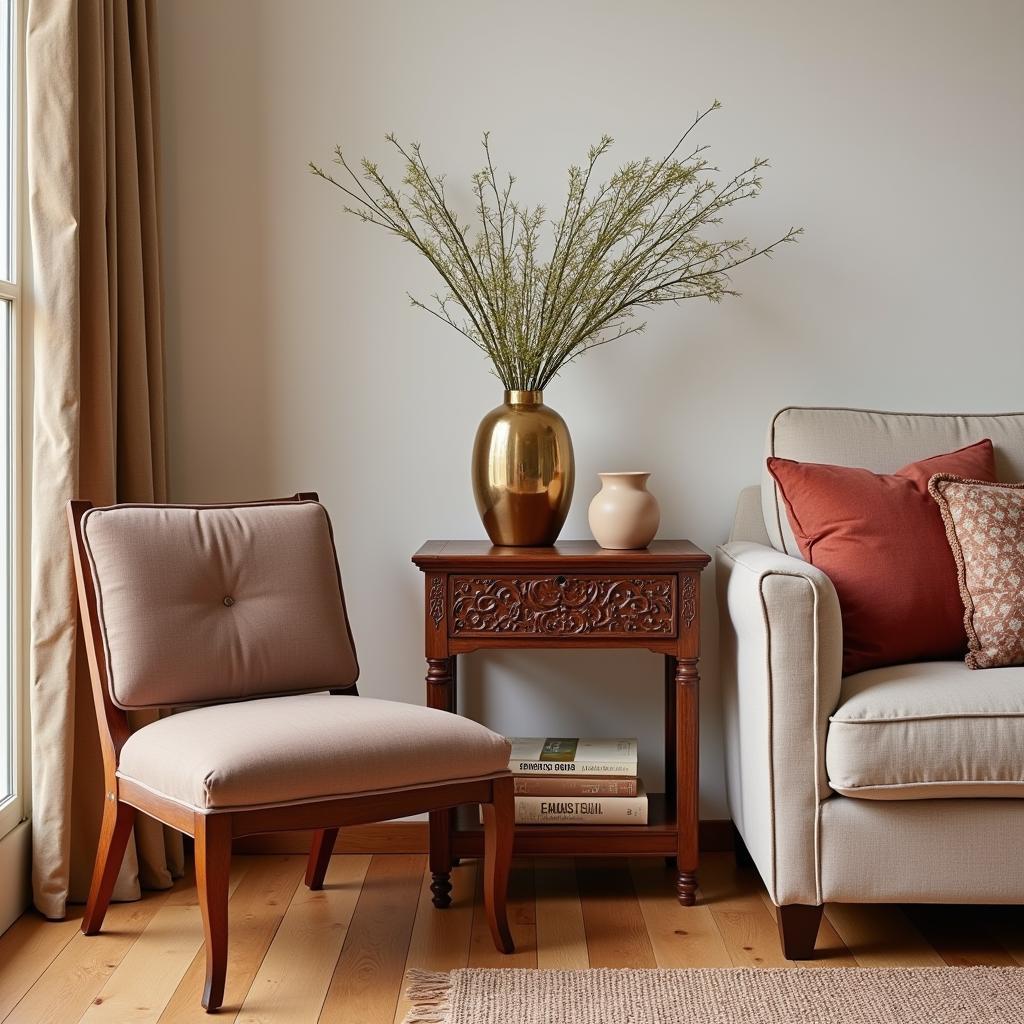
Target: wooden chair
234	616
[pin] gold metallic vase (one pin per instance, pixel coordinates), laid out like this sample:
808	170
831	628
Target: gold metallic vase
523	471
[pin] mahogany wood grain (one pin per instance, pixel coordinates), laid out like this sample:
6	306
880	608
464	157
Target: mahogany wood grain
478	597
116	827
458	555
320	856
687	782
213	869
440	695
522	921
256	908
499	825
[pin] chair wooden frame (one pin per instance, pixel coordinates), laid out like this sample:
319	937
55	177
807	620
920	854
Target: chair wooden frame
213	831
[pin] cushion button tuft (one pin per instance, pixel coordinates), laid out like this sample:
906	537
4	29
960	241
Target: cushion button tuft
228	601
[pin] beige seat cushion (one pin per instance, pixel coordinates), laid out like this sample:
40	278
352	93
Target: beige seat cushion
313	746
202	604
928	730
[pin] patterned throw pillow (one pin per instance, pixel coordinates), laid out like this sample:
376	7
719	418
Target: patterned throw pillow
985	527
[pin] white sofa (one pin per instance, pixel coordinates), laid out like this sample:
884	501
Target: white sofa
901	784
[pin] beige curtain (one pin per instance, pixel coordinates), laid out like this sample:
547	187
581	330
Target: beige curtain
98	390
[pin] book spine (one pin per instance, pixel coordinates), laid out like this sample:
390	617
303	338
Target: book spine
620	769
536	810
527	785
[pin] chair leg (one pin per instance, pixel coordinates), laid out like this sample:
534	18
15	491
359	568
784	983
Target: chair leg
499	832
118	819
320	856
213	866
798	929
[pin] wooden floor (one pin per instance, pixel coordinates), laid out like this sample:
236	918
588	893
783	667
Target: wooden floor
340	955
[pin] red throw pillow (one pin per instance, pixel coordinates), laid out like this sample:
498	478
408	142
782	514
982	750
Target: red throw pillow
881	540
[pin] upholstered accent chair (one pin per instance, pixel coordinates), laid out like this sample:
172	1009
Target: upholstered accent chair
233	617
900	784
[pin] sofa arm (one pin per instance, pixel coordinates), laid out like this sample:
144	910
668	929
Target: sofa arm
781	669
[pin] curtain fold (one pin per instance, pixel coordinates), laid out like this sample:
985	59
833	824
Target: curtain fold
98	402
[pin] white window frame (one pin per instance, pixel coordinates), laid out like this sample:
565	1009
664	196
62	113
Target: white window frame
16	810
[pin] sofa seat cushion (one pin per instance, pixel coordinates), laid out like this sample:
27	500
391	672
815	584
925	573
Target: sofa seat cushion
927	731
282	750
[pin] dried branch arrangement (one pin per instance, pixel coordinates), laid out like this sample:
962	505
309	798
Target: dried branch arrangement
630	243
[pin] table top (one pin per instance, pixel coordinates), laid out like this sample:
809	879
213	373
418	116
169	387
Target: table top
578	554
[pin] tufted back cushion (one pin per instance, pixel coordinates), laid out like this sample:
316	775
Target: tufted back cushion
198	605
880	441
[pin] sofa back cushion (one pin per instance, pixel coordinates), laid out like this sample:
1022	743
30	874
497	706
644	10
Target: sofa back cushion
200	605
881	442
879	538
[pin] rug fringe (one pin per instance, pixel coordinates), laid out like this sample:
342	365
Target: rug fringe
429	992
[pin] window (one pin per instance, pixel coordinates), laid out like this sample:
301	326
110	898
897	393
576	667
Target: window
11	694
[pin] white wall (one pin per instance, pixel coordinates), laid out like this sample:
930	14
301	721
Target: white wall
296	362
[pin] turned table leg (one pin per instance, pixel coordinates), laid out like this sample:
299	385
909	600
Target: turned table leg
687	779
440	694
670	743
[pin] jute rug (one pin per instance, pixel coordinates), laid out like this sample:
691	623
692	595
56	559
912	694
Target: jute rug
926	995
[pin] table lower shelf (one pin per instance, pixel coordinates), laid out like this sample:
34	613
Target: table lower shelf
655	839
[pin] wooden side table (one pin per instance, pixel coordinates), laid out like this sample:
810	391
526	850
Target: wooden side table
575	595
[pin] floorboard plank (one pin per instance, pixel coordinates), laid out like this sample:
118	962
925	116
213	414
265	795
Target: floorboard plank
67	988
440	939
341	955
561	936
368	975
880	935
27	949
616	932
296	972
959	935
734	897
254	914
1007	924
142	983
522	920
680	936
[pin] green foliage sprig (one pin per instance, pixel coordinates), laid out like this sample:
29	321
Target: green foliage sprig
632	242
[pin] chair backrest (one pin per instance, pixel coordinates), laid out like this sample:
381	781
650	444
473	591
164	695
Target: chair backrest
205	604
881	442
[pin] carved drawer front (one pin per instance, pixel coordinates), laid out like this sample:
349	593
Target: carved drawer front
582	604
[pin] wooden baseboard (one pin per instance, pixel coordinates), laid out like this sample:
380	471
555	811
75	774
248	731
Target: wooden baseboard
411	837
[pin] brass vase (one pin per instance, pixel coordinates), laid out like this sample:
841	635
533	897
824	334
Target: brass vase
523	471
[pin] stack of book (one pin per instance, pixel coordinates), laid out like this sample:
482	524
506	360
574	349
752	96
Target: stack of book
577	782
